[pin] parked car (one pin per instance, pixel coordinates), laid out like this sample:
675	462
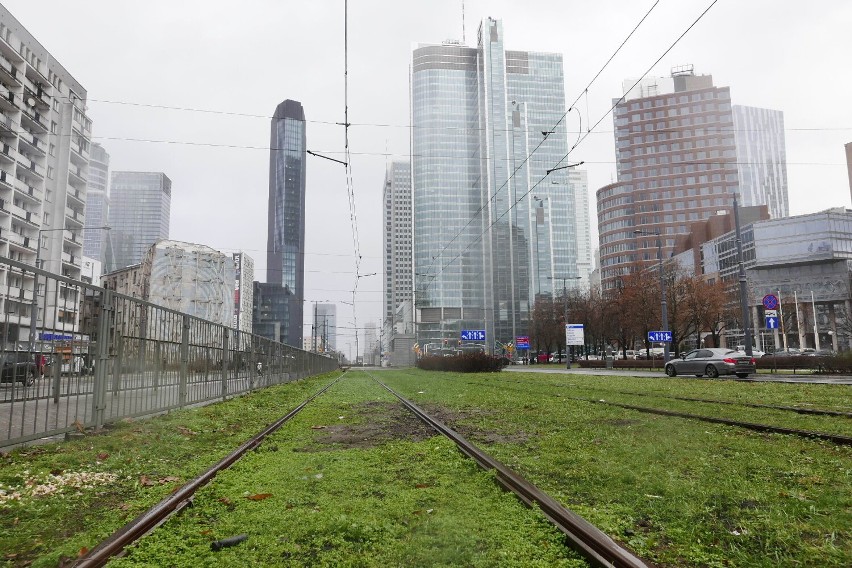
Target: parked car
712	362
756	353
18	366
821	353
792	352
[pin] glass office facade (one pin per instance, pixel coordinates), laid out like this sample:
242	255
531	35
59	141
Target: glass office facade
140	206
762	158
285	262
491	230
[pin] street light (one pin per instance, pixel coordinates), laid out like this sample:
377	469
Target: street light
34	306
663	303
565	307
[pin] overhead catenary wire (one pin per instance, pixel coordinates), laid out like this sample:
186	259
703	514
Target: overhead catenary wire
552	129
583	137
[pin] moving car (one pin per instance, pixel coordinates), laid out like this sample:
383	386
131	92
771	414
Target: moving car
712	362
17	366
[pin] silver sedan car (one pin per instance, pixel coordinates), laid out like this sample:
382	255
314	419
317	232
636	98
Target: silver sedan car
712	362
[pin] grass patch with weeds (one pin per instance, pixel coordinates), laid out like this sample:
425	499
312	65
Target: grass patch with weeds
355	480
679	492
149	458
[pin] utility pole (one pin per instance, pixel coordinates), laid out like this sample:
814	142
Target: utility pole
743	285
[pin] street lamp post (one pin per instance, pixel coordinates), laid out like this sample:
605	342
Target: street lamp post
34	305
664	310
565	309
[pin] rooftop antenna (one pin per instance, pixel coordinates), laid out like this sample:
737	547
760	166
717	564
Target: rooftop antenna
464	40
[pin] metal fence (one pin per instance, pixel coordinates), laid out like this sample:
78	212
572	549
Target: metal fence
95	356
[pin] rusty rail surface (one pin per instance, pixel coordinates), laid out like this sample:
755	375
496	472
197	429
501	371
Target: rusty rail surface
588	540
159	513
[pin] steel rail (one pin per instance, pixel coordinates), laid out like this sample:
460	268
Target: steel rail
834	438
159	513
796	409
588	540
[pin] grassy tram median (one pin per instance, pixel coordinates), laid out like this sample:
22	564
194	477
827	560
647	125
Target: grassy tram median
679	492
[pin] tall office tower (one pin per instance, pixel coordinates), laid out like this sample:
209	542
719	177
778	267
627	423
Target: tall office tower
491	228
677	162
243	291
325	327
140	204
285	247
97	203
761	158
44	155
397	237
579	180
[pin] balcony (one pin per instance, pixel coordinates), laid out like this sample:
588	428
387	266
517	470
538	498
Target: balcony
76	177
33	142
82	149
74	216
7	99
33	218
8	70
33	118
77	195
29	165
6	179
72	237
7	124
25	188
7	154
13	292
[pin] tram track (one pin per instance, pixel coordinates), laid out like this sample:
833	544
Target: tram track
838	439
593	544
177	501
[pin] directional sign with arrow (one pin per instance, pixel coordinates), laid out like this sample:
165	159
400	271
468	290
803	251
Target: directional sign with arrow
660	336
473	335
771	322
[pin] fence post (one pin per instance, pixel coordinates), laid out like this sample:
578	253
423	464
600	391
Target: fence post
57	375
157	364
117	363
100	386
184	360
224	366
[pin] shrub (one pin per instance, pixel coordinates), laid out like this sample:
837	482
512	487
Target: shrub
466	363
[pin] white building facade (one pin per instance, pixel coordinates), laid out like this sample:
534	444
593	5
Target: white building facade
44	155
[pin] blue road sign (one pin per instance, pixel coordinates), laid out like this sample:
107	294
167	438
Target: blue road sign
770	302
522	342
771	323
660	336
473	335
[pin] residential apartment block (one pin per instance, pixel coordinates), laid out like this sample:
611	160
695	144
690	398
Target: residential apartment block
44	155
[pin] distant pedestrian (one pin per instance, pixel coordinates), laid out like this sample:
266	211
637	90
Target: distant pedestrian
259	368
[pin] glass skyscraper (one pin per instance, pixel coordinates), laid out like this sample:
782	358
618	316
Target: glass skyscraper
762	158
491	229
140	206
97	203
285	256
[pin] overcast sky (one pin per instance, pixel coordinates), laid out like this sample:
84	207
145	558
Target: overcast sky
246	57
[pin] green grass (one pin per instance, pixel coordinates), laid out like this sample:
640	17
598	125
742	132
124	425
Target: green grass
680	492
371	489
